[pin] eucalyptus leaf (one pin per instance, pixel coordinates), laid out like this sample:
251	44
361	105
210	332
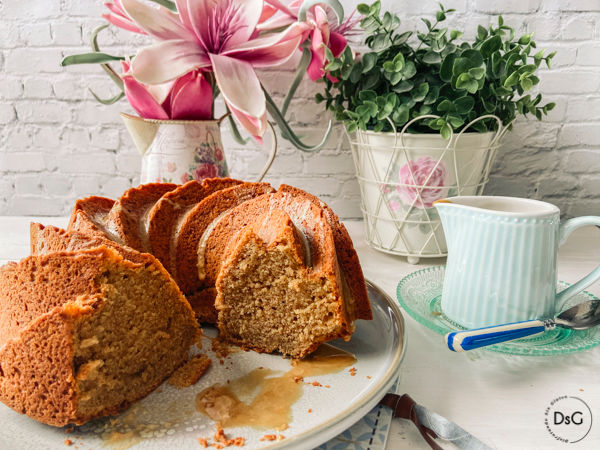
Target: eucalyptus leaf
432	57
90	58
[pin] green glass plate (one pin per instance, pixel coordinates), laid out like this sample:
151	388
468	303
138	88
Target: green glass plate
420	293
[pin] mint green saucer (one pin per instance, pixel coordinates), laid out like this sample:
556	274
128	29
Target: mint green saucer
420	293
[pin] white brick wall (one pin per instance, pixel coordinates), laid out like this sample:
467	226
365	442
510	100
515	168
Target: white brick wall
58	144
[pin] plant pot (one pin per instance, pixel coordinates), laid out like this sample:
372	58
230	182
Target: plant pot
177	151
401	175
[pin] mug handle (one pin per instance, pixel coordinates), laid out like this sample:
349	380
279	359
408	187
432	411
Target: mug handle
564	232
272	150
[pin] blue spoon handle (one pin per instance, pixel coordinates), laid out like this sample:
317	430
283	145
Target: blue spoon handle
459	341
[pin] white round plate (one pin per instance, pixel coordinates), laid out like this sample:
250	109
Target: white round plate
167	418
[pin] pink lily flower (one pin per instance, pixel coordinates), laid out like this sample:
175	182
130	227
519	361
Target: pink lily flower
120	18
324	32
187	98
215	35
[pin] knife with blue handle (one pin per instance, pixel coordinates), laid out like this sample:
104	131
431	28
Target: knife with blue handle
459	341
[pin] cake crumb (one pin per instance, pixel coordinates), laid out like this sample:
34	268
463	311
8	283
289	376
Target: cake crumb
221	440
190	372
69	430
203	442
309	410
580	390
316	383
269	437
352	371
298	379
369	377
68	442
327	386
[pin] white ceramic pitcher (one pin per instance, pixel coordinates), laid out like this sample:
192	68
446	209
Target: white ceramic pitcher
177	151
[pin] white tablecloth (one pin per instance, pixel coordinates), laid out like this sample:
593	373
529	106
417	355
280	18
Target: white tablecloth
500	399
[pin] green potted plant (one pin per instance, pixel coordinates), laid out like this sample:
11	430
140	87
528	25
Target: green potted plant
425	114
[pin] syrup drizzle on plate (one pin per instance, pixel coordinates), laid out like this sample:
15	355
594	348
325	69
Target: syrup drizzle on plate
263	398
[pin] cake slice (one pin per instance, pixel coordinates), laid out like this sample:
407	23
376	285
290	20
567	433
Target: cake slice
165	216
269	299
46	239
90	216
195	228
84	334
129	217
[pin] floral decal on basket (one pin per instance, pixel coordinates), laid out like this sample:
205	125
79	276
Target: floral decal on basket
418	183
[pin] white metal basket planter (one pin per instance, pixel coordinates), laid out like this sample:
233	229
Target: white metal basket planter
401	174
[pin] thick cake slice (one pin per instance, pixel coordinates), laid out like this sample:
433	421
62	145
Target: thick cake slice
90	216
84	334
165	216
128	218
269	299
46	239
196	227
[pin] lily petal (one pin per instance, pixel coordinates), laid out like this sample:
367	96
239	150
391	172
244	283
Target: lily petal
272	49
121	22
157	22
337	43
240	88
142	101
168	60
191	98
256	127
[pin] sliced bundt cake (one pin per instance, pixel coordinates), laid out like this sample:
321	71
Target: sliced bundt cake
84	334
90	217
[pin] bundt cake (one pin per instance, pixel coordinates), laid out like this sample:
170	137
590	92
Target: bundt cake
204	224
85	333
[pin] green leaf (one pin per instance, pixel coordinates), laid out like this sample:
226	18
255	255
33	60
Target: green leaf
440	16
477	72
108	101
549	58
389	66
408	71
445	106
356	73
525	39
455	34
446	131
363	9
512	79
403	86
398	62
367	95
420	92
432	96
526	84
401	115
474	57
481	33
375	8
402	38
372	107
381	42
351	127
464	104
427	23
447	67
90	58
490	45
369	60
167	4
431	57
455	121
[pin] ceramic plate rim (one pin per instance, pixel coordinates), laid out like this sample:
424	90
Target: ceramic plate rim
345	419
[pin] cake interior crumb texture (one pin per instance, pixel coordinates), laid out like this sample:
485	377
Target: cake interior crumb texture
103	342
268	299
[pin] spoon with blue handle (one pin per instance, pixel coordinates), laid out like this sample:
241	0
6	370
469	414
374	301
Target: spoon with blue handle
579	317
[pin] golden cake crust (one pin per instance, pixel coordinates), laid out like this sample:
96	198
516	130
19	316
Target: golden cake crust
89	217
196	222
128	216
168	210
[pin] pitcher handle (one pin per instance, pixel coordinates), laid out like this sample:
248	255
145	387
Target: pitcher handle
272	150
564	232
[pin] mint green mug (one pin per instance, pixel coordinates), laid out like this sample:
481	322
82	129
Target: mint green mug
502	255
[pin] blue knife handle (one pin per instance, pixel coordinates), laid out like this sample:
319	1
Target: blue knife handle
459	341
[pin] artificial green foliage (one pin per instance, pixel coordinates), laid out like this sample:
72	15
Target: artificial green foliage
404	76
